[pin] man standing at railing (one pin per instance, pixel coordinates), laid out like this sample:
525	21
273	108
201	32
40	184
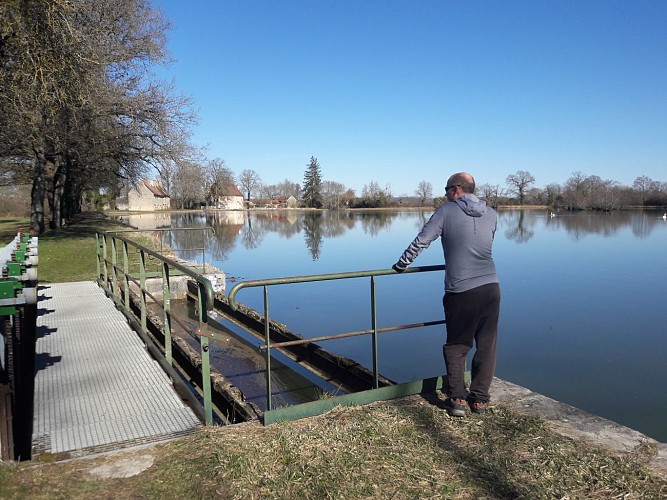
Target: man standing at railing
466	227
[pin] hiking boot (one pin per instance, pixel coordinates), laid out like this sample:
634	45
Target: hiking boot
455	407
478	406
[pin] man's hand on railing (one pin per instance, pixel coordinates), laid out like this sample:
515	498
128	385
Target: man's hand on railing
398	267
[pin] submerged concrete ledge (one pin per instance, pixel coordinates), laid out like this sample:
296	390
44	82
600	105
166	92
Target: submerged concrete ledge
575	423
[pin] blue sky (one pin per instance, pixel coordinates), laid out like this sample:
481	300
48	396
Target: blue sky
398	92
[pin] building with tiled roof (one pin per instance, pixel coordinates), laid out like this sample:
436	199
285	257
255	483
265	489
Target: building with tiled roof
147	196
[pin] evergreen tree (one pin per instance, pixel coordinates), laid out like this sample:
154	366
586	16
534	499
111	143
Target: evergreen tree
312	185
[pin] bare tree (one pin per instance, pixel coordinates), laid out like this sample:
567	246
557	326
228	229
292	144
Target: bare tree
424	191
270	191
348	197
552	192
249	182
188	188
604	194
288	188
490	193
373	196
576	191
332	194
644	186
78	102
217	178
519	183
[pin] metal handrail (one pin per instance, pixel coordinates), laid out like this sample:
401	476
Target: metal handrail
322	277
176	265
205	299
165	230
374	330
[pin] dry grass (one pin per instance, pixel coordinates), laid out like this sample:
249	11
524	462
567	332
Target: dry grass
406	448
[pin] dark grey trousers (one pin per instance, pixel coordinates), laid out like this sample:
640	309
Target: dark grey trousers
471	316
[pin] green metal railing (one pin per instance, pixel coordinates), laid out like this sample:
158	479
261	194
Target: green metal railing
373	331
116	278
161	232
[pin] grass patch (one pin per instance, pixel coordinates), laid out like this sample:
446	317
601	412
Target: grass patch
10	226
407	448
70	254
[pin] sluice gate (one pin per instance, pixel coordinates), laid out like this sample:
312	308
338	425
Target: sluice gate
18	305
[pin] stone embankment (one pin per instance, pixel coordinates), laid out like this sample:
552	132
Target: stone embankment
578	424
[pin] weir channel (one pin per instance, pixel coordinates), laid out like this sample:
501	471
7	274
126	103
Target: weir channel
229	353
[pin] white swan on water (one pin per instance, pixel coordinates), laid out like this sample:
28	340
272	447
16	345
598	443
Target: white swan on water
664	216
554	215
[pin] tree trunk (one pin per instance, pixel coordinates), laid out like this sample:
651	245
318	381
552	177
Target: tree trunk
71	199
56	192
38	192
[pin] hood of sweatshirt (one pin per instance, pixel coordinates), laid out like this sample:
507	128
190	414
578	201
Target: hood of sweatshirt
471	205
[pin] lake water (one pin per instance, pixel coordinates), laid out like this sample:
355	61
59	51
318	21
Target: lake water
584	295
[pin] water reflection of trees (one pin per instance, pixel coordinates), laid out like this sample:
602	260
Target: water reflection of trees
373	222
189	244
519	224
313	234
249	228
580	225
422	218
519	228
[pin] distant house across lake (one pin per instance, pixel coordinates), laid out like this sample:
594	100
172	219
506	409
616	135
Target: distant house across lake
229	197
288	202
147	196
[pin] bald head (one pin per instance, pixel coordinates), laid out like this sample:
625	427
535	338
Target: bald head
463	179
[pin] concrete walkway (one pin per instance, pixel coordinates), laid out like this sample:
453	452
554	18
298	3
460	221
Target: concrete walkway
96	386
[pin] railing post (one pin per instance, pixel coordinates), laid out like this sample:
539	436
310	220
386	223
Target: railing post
166	306
374	335
205	355
267	335
104	253
142	284
97	252
203	254
114	268
126	272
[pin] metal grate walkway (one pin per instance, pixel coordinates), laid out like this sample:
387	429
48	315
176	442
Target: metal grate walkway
96	386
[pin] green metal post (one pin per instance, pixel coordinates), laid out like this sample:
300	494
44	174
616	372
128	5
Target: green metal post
114	268
374	335
126	272
166	306
97	252
104	253
203	254
269	403
142	281
205	357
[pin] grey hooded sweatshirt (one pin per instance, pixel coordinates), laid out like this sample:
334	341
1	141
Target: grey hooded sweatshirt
466	228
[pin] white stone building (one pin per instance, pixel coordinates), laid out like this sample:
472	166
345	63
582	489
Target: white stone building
147	196
230	198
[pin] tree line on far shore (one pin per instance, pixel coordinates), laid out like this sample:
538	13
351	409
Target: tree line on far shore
578	192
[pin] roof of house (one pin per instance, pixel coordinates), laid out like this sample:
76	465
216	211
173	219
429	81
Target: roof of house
156	189
230	190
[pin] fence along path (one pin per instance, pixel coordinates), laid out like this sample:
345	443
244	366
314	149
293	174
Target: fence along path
96	386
